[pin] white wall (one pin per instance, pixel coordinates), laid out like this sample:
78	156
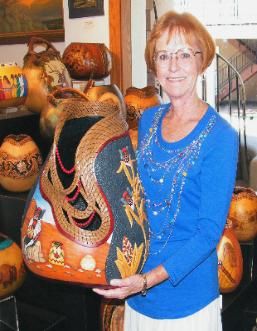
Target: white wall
233	31
85	29
138	40
13	53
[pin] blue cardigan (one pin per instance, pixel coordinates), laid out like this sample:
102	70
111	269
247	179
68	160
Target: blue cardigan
188	188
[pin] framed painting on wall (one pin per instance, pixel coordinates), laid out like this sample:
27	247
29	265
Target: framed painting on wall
23	19
84	8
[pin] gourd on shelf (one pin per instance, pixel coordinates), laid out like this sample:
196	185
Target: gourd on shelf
20	162
243	213
230	260
12	270
13	85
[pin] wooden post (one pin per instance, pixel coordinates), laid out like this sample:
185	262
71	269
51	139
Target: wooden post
120	43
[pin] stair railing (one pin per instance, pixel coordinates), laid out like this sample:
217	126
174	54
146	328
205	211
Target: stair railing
239	112
239	61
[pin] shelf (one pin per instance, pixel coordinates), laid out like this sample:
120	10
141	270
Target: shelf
19	316
21	121
32	318
14	112
13	195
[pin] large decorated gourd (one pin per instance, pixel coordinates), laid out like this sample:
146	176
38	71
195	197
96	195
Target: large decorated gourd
87	60
51	113
44	71
243	213
106	93
13	85
20	162
12	271
85	221
137	100
230	260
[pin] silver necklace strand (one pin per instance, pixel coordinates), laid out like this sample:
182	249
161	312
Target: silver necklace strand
174	170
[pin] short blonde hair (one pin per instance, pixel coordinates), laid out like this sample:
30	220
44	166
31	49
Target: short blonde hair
186	25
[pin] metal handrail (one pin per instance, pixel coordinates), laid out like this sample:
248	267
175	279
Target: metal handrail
233	74
240	61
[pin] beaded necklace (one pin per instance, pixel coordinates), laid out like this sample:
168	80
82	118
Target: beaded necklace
172	170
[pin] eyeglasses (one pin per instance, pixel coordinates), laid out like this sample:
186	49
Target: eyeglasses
183	56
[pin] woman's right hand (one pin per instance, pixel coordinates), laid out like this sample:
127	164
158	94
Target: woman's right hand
122	288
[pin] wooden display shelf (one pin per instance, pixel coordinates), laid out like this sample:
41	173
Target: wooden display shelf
12	112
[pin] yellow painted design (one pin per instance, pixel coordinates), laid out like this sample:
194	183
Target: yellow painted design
135	213
56	254
128	268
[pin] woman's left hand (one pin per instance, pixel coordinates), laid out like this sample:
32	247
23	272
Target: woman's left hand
122	288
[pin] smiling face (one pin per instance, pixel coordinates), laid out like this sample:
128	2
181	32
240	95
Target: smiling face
178	78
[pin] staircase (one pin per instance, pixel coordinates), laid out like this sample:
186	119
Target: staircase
245	63
234	110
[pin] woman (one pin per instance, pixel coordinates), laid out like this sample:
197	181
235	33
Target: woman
187	160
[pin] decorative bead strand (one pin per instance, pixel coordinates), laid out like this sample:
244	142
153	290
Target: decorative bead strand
178	164
66	171
74	197
87	222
